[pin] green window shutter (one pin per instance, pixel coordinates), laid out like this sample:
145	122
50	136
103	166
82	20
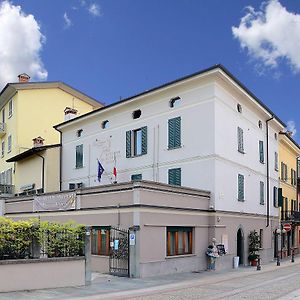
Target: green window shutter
241	187
128	143
144	140
175	176
275	197
240	139
79	156
280	198
262	193
261	151
276	161
174	132
136	177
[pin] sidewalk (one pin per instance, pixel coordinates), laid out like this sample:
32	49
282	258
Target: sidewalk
109	287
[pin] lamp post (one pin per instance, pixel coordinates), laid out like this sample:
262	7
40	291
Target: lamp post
279	232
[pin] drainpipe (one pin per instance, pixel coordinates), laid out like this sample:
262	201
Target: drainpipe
268	177
60	158
43	171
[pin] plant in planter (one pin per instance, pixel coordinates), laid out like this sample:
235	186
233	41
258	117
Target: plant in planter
254	245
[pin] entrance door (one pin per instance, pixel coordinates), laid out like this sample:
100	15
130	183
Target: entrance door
119	252
240	246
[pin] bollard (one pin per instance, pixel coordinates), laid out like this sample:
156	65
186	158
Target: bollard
293	256
278	260
258	268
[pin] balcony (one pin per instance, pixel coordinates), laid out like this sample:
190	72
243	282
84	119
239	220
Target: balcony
7	190
2	129
290	216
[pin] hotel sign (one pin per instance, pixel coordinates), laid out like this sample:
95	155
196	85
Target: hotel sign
55	202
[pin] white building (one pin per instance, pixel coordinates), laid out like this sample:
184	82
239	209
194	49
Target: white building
205	131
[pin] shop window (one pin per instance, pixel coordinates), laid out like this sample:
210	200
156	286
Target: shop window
100	240
179	240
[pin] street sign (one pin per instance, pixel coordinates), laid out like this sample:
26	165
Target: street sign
287	226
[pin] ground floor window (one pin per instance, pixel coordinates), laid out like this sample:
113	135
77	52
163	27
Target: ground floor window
100	240
179	240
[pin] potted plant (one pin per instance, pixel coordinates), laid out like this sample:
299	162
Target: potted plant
254	246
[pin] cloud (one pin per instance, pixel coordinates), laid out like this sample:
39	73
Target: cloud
270	35
94	9
21	43
67	20
291	126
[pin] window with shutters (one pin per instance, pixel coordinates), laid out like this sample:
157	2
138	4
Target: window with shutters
79	156
241	187
179	240
275	196
9	144
261	152
240	136
136	177
174	176
284	171
276	161
10	108
174	133
100	240
136	142
261	192
2	148
293	177
3	115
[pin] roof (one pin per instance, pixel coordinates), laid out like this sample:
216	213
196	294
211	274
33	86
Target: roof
290	138
11	88
213	68
31	152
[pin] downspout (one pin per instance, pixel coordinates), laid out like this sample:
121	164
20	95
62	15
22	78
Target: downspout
43	171
268	176
60	157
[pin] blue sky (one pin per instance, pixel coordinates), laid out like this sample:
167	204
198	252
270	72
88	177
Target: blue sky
117	48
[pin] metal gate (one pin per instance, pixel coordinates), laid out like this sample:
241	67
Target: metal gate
119	252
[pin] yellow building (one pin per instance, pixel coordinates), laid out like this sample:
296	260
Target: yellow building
29	110
289	151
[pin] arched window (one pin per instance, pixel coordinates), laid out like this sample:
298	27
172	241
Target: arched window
105	124
136	114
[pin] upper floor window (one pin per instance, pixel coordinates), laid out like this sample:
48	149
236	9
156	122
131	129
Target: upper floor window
239	108
240	136
175	102
136	114
79	156
275	136
241	187
276	161
174	131
136	177
2	148
136	142
3	115
105	124
293	177
261	192
283	171
174	176
10	108
275	196
260	124
79	132
9	144
261	152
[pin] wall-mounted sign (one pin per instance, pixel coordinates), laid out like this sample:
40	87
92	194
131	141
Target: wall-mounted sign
132	239
116	244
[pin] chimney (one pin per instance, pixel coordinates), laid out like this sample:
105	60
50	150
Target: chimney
38	142
23	77
289	133
70	113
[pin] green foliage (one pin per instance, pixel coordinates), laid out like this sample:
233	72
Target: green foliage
17	238
254	245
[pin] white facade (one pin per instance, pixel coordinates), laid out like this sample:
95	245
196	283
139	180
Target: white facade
208	157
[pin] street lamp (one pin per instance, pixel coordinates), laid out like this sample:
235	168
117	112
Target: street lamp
278	232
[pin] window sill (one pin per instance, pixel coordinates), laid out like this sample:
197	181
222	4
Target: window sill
180	256
242	152
262	162
137	155
77	168
241	200
173	148
262	204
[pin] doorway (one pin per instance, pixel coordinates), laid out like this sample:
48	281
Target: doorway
240	246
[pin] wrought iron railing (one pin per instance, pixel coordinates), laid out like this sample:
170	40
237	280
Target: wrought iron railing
290	215
7	189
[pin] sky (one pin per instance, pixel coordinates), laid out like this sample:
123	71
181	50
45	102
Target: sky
112	49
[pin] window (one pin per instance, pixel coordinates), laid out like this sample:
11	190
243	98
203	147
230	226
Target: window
293	177
179	240
2	148
261	152
275	196
100	240
79	132
136	142
79	156
261	238
261	192
260	124
10	108
174	132
276	161
3	115
239	108
175	102
241	187
240	135
275	136
136	114
72	186
283	171
105	124
174	176
9	144
136	177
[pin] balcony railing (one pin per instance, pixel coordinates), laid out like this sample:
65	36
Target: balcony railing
290	215
2	129
7	189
